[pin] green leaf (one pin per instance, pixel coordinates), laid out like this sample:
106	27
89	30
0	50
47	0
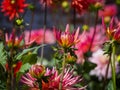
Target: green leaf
110	86
107	48
88	66
25	51
22	70
25	67
3	55
2	85
29	58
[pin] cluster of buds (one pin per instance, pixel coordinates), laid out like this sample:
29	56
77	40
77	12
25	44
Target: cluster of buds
70	58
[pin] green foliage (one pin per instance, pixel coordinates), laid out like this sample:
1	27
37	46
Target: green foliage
31	7
2	85
3	55
107	48
110	86
26	51
28	57
24	67
88	66
22	70
118	2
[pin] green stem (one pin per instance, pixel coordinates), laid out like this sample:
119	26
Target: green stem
106	74
45	24
62	74
113	66
31	22
95	26
74	17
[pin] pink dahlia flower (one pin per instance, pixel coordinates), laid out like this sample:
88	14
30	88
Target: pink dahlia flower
17	41
112	31
37	36
84	45
67	39
69	80
37	71
12	39
101	60
109	10
29	80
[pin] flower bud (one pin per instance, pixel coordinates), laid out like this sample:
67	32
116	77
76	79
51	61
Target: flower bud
37	71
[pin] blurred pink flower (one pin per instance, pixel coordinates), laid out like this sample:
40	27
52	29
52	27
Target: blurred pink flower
109	10
38	35
84	45
69	80
101	60
113	30
67	39
29	80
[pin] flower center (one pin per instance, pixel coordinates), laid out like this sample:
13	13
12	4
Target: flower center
12	1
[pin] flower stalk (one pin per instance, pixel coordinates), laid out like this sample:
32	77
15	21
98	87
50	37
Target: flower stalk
62	73
113	66
93	36
45	22
10	77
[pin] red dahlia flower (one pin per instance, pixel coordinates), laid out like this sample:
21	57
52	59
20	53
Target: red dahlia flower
80	5
83	5
12	8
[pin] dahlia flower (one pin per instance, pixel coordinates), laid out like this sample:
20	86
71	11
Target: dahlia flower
109	10
13	8
112	31
37	36
37	71
67	39
13	40
69	80
84	45
101	60
17	41
29	80
83	5
80	5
